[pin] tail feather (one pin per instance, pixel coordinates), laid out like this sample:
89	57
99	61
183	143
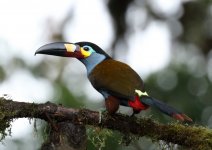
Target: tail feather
168	110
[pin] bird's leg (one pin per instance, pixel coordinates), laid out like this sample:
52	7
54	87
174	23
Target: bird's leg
135	112
111	104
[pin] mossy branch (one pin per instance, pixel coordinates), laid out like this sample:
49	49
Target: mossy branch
193	137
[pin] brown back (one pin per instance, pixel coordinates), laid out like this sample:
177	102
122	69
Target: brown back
117	78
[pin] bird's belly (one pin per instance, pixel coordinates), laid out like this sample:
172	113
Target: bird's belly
124	102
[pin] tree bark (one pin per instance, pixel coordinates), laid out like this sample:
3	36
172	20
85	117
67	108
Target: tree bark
193	137
67	136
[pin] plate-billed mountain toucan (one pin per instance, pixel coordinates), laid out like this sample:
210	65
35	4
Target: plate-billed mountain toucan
116	81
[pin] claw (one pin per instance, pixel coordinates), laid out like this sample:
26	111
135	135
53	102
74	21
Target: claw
100	116
101	111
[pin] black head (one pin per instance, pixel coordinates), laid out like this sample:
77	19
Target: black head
95	47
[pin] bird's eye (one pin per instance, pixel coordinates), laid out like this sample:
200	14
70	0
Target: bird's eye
86	48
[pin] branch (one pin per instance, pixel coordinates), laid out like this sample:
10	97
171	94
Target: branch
188	136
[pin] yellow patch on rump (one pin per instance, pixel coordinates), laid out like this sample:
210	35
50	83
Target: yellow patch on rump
140	93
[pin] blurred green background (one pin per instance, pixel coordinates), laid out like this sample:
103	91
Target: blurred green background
167	42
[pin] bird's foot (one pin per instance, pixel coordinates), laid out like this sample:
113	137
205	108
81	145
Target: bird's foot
106	114
101	112
135	112
132	115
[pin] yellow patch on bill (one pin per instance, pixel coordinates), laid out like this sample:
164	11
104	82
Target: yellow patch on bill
70	47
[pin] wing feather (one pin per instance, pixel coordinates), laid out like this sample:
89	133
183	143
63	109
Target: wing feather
116	78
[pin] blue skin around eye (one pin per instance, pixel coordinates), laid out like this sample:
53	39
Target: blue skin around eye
91	50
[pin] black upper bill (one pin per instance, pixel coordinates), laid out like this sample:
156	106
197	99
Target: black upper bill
56	49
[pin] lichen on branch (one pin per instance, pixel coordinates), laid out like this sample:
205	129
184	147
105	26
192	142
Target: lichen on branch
193	137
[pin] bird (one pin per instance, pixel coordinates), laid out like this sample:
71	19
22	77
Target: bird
118	83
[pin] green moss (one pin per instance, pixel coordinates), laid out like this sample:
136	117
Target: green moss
2	115
5	128
190	136
98	136
128	138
